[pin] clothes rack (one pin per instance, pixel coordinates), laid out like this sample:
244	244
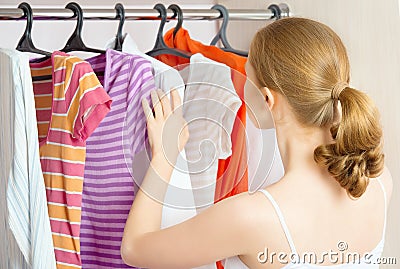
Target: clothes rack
57	13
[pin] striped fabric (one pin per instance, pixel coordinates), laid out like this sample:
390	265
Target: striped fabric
178	203
11	256
210	108
25	235
108	189
68	108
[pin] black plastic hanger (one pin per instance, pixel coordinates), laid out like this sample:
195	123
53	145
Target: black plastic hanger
221	35
75	42
160	47
25	44
119	37
276	10
177	13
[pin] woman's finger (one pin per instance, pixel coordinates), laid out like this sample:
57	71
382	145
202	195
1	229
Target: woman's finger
176	100
166	104
156	104
147	110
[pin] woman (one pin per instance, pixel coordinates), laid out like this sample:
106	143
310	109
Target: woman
335	190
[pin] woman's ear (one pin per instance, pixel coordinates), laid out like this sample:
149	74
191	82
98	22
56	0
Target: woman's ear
269	97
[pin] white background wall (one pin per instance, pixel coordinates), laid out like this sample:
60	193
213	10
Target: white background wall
370	30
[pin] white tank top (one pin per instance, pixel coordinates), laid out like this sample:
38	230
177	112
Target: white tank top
236	263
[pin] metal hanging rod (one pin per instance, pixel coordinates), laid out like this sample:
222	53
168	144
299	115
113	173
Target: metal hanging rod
143	14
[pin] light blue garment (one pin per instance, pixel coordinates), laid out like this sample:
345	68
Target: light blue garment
25	230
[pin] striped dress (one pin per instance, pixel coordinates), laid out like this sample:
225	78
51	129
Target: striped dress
108	189
68	108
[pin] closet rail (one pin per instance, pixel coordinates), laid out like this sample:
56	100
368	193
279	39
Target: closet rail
147	14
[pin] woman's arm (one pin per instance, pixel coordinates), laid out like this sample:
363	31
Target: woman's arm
212	235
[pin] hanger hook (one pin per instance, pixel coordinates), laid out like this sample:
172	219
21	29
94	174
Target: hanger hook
75	40
121	15
163	15
25	43
276	10
26	38
78	13
177	13
224	13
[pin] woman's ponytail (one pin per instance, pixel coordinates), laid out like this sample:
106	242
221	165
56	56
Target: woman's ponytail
356	154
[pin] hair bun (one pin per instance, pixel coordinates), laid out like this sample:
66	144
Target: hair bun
357	153
351	170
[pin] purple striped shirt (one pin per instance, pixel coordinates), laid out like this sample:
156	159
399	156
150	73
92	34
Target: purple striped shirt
108	187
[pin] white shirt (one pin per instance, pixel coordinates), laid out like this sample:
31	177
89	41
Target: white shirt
210	107
25	231
265	165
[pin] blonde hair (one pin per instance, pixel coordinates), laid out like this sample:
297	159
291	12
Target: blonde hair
305	61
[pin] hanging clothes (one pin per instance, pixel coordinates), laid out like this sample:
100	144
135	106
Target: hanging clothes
232	175
210	106
69	107
108	189
179	202
25	231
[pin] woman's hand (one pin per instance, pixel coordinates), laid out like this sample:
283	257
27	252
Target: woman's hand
218	226
167	129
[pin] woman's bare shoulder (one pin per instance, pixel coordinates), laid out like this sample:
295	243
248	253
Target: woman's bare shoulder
253	208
